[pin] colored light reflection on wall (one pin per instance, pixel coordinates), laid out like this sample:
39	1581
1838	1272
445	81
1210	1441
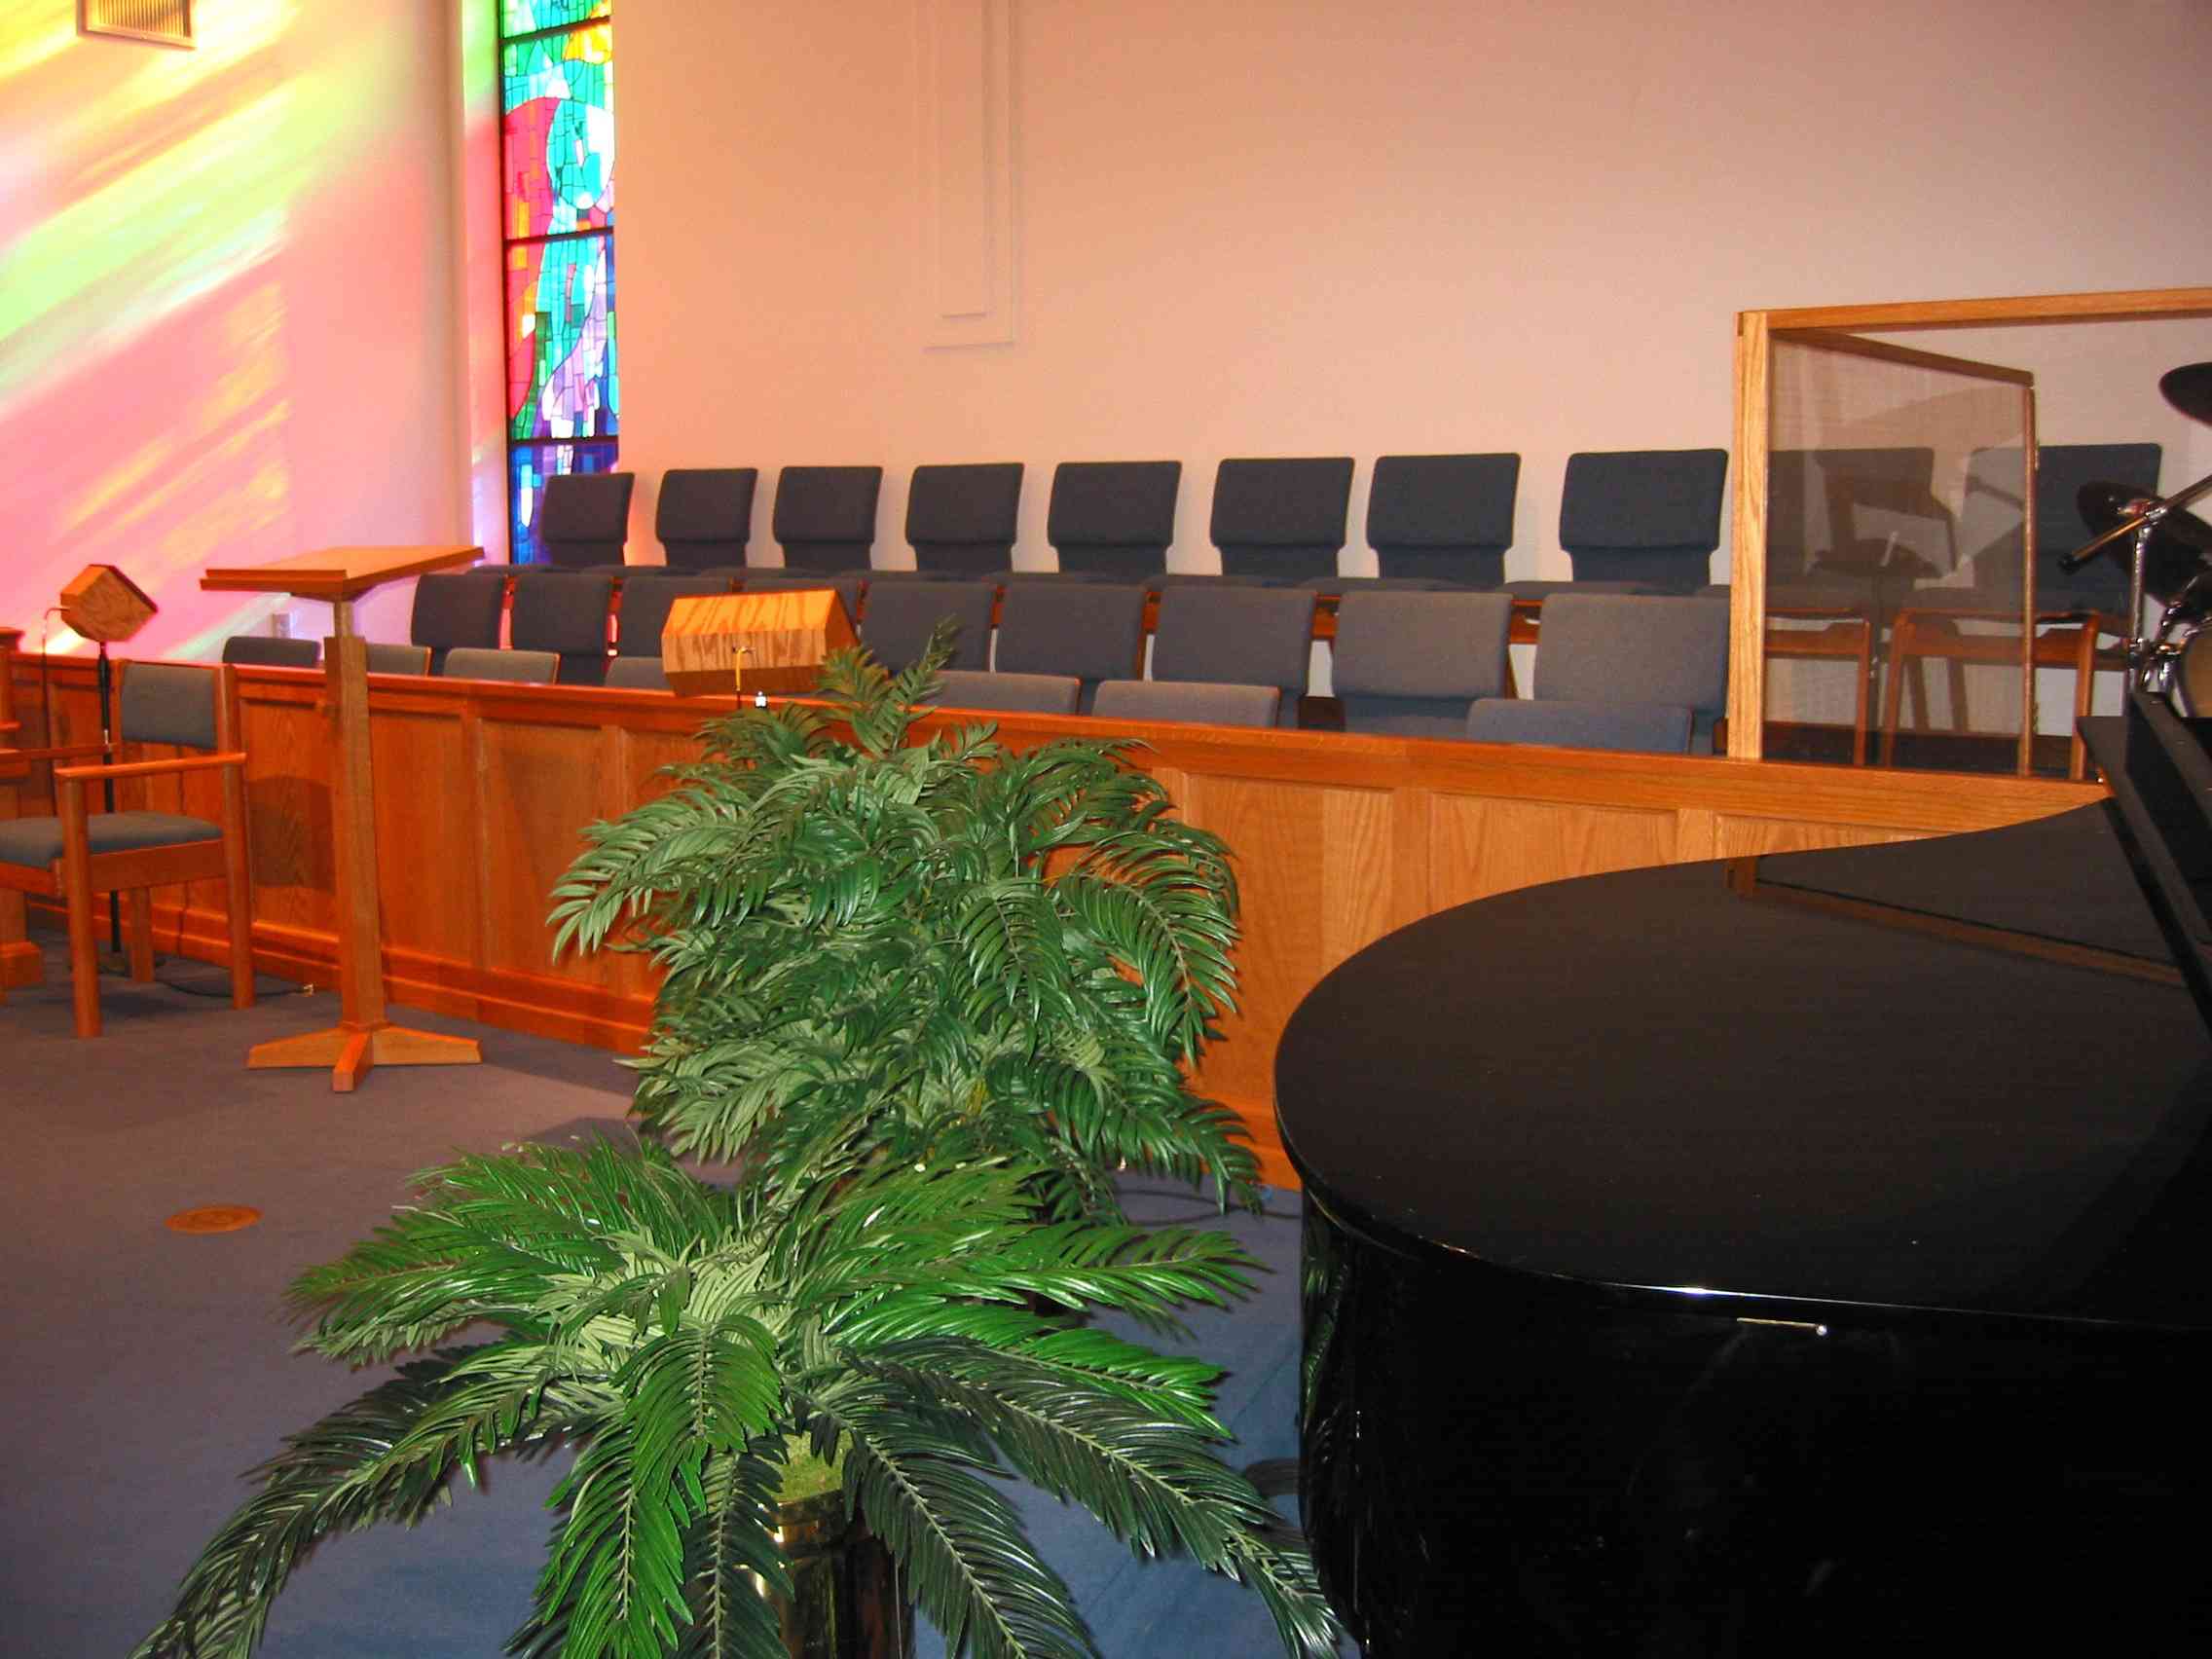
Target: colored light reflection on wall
193	247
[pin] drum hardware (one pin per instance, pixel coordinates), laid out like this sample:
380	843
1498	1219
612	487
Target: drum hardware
2173	553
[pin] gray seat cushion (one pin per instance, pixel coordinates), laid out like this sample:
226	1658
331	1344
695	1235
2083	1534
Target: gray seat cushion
36	842
1209	702
1654	729
1011	693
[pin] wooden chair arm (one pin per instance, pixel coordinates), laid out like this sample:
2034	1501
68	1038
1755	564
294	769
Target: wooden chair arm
149	768
61	752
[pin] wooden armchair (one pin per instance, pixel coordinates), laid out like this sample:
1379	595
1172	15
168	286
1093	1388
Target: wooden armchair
79	854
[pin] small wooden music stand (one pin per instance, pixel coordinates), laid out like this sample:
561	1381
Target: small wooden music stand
362	1036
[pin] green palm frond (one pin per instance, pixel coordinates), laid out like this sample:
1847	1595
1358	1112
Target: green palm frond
338	1475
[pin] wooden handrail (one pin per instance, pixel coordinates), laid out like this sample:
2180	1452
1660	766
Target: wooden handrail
150	768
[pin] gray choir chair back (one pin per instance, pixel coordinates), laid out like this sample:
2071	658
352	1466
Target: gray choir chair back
261	651
850	586
824	517
517	667
901	615
1232	634
456	610
647	599
1280	519
1438	521
565	611
961	521
387	658
583	523
1200	702
1093	631
1620	670
1011	693
1113	520
1828	513
1989	523
1638	521
704	516
1415	663
163	702
637	673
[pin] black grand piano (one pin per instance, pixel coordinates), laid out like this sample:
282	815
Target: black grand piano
1808	1255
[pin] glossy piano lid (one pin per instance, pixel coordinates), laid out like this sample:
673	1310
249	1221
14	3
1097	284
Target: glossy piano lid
1645	1080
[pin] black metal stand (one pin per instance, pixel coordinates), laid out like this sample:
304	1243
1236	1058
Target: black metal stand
107	786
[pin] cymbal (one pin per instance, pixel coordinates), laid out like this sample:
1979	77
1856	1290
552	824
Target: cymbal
2189	388
2180	547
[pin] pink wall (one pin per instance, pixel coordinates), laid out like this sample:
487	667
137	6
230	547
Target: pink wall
1251	227
228	301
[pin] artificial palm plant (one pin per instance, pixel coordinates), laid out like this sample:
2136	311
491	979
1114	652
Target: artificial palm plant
927	997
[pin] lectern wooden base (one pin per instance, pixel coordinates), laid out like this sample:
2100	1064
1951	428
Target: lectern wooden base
349	1051
362	1038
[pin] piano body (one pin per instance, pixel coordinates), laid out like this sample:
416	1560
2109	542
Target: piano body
1808	1256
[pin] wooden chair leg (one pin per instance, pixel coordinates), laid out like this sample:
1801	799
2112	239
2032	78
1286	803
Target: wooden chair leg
77	887
1901	644
1866	693
237	899
141	902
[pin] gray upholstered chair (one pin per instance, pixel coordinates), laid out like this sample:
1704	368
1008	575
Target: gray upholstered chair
647	599
637	673
263	650
902	614
1011	693
1233	634
565	611
583	521
1278	520
824	517
1414	663
1437	521
704	516
387	658
458	609
1113	520
1199	701
517	667
1606	662
1093	631
79	854
961	520
1638	521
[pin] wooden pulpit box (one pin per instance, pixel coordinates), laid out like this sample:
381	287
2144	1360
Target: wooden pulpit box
104	604
752	641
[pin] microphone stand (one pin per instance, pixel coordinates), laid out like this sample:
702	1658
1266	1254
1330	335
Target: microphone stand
107	680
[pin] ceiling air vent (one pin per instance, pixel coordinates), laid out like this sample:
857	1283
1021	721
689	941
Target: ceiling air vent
169	23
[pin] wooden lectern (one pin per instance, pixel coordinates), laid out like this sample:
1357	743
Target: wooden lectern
362	1036
752	641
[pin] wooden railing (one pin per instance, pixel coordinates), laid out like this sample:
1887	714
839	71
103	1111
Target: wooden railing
482	789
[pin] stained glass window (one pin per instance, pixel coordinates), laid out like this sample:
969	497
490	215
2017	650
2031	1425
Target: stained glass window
557	213
520	16
561	380
557	117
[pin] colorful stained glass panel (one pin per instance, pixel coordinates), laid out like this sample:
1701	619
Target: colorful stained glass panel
557	132
561	380
520	16
529	465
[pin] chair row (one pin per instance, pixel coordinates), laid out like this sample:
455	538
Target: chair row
1649	519
1428	664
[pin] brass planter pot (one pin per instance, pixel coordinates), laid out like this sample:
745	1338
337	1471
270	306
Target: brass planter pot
847	1601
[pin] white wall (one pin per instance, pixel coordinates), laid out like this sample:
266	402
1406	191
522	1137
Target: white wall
1255	227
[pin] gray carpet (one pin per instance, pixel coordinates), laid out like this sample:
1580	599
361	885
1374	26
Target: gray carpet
148	1369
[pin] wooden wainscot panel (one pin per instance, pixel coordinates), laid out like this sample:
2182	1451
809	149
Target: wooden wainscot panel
1480	847
288	835
1744	837
1313	877
539	786
427	820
